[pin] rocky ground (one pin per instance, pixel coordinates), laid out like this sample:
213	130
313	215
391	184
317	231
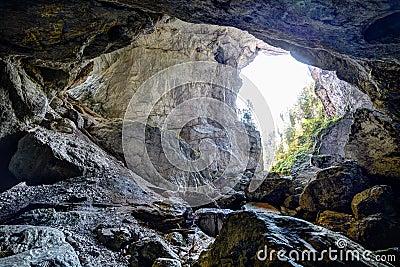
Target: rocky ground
67	197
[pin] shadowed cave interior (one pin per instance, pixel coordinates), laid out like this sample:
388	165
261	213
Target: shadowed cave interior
123	143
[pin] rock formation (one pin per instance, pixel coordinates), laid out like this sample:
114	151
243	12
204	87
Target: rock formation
71	194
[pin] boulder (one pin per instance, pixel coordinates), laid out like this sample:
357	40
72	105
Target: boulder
267	239
26	246
176	239
146	251
164	262
272	190
376	232
325	160
374	143
57	156
335	221
108	135
334	188
114	238
210	221
377	199
292	201
165	215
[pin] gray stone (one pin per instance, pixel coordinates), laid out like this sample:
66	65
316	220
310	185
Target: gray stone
109	136
335	221
114	238
376	232
337	96
57	156
272	190
25	246
210	221
334	188
375	144
151	249
164	262
292	202
164	215
176	239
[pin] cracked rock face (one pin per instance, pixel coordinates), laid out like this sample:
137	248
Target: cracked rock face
374	143
35	246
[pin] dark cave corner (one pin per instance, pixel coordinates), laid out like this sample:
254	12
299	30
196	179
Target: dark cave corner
8	147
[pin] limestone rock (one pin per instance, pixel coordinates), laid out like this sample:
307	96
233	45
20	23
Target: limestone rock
109	136
176	239
292	201
325	160
164	215
375	144
210	221
334	188
333	139
377	199
272	190
80	29
164	262
335	221
57	156
114	238
151	249
245	234
376	232
25	246
338	97
173	42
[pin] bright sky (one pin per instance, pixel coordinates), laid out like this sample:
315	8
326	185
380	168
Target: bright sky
279	80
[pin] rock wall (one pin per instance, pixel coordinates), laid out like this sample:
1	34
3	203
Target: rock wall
338	97
118	76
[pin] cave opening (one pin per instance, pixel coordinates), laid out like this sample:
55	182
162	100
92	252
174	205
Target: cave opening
282	82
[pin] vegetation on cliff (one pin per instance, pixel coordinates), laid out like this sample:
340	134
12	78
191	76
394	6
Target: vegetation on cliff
306	120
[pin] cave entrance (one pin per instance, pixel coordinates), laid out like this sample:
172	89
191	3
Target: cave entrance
279	80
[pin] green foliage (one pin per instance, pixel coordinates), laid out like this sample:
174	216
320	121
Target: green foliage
306	121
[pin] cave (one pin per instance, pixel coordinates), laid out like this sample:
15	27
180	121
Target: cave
137	133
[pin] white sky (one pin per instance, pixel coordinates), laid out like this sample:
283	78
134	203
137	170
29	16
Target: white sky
279	79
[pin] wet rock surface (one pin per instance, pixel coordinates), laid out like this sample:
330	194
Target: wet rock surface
244	234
